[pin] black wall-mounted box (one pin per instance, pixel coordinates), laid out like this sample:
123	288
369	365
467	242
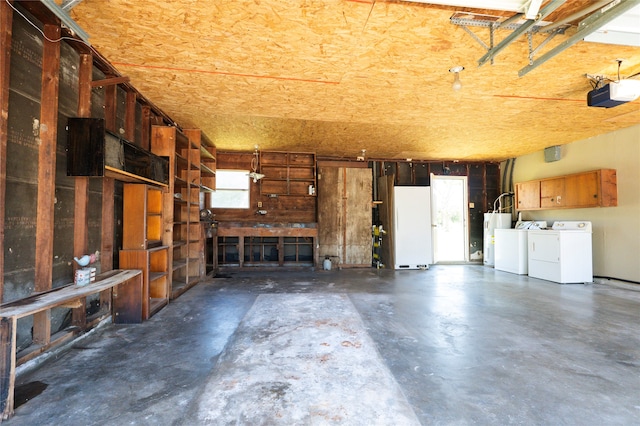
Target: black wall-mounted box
94	151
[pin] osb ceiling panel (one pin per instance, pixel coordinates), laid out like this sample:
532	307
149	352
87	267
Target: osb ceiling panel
335	77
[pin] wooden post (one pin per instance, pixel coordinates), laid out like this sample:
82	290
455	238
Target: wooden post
7	365
46	176
6	17
81	212
106	253
145	133
130	116
108	185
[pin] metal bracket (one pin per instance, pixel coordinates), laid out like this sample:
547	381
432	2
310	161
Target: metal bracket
493	23
550	36
528	25
586	27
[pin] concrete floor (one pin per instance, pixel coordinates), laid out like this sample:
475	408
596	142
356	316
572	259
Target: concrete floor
450	345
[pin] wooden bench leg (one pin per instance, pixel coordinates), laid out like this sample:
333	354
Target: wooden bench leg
42	327
127	301
7	365
79	315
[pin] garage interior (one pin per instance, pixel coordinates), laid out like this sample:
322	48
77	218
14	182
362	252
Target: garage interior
122	123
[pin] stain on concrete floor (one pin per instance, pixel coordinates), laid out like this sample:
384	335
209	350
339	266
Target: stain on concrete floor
302	359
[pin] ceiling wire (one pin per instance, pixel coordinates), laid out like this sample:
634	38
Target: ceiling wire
43	34
373	3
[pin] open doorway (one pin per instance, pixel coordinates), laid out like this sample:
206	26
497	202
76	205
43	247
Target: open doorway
449	218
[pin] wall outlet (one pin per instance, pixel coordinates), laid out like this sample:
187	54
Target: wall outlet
259	204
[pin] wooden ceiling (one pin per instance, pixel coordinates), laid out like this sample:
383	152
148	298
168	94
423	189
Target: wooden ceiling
337	76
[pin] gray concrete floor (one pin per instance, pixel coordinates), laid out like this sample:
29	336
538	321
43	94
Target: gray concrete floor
465	344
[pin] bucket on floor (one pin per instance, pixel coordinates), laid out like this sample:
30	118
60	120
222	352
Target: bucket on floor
326	264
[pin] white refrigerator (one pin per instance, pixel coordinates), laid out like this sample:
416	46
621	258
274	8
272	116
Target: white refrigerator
412	227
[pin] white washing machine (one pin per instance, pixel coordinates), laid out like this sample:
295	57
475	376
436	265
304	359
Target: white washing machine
511	253
562	254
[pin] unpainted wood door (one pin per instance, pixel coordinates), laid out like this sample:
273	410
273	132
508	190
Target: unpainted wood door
552	193
528	195
344	215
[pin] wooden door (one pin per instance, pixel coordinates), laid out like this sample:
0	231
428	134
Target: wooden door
582	190
552	193
528	195
344	215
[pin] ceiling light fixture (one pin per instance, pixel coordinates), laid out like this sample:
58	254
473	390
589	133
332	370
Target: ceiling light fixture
254	167
457	84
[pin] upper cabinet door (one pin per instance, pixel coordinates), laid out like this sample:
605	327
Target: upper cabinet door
528	195
582	190
552	193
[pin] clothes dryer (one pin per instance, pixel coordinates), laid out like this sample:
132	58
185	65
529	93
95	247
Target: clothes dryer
562	254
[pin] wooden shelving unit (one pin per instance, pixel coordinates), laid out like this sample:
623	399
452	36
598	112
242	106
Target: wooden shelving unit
182	228
208	164
288	173
142	244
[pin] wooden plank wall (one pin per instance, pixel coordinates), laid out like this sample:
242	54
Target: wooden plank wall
46	217
6	23
284	208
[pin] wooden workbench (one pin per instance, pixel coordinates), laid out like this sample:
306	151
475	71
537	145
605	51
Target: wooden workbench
126	308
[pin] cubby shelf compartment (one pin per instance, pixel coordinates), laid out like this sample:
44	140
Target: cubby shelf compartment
288	173
143	224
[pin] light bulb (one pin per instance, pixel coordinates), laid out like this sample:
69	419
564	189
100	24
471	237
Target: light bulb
457	84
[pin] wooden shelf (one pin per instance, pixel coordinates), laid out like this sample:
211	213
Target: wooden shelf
288	173
143	248
191	166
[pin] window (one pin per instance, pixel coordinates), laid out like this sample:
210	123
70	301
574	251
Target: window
232	189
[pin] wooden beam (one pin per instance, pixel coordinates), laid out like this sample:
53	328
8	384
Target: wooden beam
7	365
81	208
145	133
84	85
80	234
130	116
6	17
110	102
108	194
343	163
111	81
46	176
108	227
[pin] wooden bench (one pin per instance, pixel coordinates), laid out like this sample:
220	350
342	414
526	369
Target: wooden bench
126	308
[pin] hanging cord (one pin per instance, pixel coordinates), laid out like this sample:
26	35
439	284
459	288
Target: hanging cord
254	162
499	208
